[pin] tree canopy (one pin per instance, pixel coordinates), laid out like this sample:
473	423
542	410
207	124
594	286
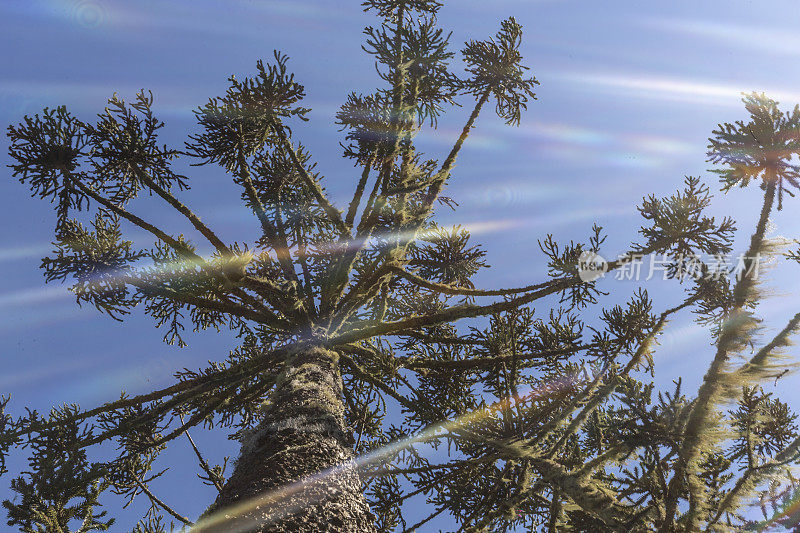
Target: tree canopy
549	414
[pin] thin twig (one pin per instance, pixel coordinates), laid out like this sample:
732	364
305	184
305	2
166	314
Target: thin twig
155	500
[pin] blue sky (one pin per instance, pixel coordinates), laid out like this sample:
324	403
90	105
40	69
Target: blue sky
629	93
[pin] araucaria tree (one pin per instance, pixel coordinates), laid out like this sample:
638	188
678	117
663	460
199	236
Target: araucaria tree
363	334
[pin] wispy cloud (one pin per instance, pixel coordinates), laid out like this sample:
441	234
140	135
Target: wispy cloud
32	376
206	17
683	90
761	38
33	296
31	96
15	253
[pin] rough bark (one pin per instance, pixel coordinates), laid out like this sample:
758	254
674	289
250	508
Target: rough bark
302	435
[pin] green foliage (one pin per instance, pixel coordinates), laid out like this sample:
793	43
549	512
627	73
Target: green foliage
389	9
765	425
681	219
126	157
495	67
421	63
59	493
152	525
762	149
446	256
96	260
242	121
46	149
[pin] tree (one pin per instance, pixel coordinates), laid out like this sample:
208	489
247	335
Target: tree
349	317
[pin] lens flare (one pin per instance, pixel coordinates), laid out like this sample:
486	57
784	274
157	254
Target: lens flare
570	134
681	337
190	267
89	14
577	143
15	253
510	195
683	90
239	519
662	145
32	296
448	136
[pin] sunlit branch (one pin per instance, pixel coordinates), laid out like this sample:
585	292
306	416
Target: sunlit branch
409	189
279	245
485	363
399	71
751	478
306	308
591	496
333	214
611	455
364	228
204	230
379	195
735	327
345	263
175	244
309	292
471	310
604	392
112	406
209	407
357	296
449	163
359	193
578	400
451	314
182	392
203	303
462	291
154	414
223	249
757	363
267	290
373	283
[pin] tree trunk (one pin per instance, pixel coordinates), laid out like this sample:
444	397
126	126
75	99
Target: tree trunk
303	434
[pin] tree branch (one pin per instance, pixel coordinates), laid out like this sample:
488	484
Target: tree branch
185	211
333	213
155	500
461	291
